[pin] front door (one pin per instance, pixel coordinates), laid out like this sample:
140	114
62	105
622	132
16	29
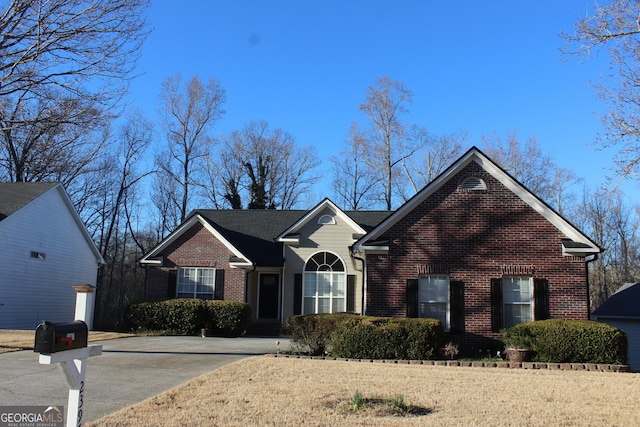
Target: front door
268	296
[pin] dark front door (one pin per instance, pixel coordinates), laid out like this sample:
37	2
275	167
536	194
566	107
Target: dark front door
268	296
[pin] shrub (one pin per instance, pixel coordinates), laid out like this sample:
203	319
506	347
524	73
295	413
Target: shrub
311	333
227	318
388	338
188	316
570	341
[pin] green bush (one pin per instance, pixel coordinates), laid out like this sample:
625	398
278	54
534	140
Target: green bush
569	341
388	338
311	333
188	316
227	318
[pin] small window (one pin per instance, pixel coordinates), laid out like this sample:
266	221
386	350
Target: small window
196	282
517	300
326	219
473	183
433	298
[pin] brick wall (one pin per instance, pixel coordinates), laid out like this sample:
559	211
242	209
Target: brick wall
196	247
474	236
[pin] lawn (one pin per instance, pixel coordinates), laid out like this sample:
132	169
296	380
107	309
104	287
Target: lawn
269	391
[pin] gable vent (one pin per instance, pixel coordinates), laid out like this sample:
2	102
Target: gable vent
473	184
326	219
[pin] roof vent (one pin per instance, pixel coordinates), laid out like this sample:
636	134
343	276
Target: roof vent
326	219
473	184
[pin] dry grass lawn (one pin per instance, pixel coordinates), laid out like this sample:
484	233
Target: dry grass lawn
268	391
14	340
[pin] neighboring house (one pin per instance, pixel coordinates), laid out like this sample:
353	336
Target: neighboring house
45	250
622	311
474	249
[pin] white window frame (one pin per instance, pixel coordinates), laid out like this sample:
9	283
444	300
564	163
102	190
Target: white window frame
337	284
198	275
426	297
509	300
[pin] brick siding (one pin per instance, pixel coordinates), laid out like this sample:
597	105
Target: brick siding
196	247
475	236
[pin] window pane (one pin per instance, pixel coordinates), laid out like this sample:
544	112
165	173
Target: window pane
338	305
324	284
516	290
434	311
339	286
309	284
186	282
324	305
205	282
516	313
309	306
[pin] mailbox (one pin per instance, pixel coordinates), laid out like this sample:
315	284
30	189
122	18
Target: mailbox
55	337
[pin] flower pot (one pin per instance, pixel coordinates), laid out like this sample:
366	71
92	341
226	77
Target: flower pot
204	332
519	354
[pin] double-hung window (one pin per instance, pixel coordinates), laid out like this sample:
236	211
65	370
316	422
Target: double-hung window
196	282
325	285
433	298
517	300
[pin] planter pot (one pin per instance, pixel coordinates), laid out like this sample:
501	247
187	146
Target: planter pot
205	332
519	354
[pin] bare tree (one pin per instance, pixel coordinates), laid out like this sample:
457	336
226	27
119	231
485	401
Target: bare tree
436	154
614	226
264	166
353	181
115	236
388	145
615	27
188	114
64	66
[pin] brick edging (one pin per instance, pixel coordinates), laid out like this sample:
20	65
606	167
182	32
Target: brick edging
475	364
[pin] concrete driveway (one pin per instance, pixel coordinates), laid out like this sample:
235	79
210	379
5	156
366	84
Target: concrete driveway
128	371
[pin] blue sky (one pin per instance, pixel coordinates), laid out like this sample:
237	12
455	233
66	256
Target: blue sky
304	66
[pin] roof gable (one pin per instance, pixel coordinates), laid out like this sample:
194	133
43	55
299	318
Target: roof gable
579	244
313	213
16	195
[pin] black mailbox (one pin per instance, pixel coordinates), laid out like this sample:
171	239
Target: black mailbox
55	337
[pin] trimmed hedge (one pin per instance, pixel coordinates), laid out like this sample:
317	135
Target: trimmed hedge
363	337
311	333
186	316
389	338
569	341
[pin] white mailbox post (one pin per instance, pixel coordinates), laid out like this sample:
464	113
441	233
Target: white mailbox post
74	362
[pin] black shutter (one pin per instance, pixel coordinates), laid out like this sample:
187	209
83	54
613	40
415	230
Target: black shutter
172	282
297	294
351	293
219	286
412	297
456	310
496	305
541	298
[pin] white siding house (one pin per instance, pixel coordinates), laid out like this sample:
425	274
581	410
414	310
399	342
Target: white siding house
622	311
45	250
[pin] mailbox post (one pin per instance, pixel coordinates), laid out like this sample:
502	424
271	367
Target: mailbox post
67	344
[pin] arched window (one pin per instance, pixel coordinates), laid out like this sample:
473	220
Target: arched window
325	284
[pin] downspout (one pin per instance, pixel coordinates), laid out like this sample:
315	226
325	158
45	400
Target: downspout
364	280
586	267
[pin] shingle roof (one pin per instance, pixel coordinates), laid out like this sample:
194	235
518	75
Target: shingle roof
15	195
624	303
253	231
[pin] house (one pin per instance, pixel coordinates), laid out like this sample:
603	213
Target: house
46	250
474	249
622	311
